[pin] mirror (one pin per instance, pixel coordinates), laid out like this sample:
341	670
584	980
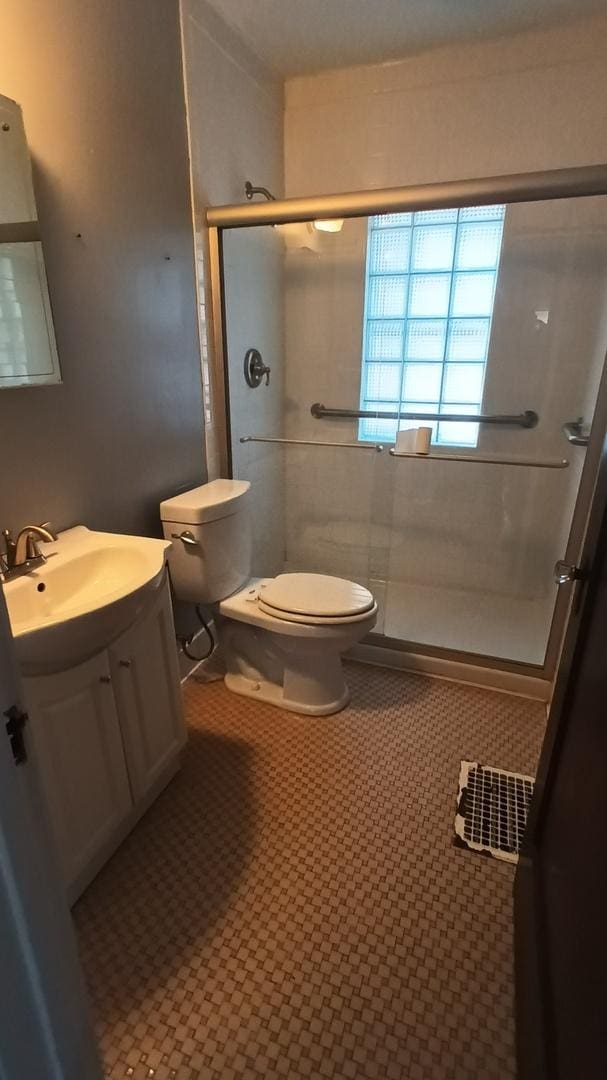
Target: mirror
28	353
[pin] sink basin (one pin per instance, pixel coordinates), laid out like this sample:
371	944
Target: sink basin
93	586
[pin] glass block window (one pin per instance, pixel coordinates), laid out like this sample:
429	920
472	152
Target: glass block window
429	296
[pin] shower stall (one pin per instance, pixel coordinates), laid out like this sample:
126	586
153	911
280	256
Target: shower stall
475	309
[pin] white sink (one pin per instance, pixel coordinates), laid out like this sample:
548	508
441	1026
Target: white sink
92	588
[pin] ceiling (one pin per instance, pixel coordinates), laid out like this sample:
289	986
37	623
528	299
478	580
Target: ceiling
295	37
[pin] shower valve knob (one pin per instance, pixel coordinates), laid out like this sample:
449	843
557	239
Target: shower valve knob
255	369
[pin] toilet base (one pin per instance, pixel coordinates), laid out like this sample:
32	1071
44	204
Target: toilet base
271	694
291	665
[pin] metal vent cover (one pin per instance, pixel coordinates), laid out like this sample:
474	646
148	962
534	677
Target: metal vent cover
492	810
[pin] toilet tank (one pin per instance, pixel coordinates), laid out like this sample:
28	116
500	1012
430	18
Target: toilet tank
210	532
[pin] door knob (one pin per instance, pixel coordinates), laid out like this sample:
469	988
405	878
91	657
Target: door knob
564	572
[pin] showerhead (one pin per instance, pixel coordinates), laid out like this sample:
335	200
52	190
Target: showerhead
250	191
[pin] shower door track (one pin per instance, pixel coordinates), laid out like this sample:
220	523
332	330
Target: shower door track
511	676
578	182
583	180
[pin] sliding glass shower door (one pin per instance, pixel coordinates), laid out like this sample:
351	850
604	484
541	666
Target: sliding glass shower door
474	541
485	325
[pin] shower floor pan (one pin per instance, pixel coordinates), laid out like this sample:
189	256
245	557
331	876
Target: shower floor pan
508	628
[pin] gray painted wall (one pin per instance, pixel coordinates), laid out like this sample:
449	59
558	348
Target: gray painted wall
100	84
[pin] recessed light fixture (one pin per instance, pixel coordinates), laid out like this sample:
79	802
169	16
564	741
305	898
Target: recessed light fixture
329	224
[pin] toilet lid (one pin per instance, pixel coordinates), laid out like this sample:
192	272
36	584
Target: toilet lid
315	595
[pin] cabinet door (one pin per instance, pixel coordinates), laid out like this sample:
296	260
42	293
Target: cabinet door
148	692
76	739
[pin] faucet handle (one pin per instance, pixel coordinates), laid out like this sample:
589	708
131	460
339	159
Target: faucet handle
10	548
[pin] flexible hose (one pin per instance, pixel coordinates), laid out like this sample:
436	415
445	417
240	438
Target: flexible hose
186	642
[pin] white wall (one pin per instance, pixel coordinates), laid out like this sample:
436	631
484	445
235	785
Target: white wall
235	116
535	101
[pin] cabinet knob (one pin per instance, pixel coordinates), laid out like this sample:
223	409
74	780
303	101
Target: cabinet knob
105	678
124	663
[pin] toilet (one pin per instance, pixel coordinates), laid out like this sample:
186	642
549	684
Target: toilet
282	638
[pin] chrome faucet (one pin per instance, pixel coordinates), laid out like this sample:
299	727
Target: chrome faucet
23	554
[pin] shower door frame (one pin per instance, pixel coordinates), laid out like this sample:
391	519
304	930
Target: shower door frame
577	182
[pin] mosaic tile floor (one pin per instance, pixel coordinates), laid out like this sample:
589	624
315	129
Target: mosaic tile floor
293	906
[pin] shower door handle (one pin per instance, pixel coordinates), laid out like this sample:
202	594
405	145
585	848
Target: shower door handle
574	432
566	572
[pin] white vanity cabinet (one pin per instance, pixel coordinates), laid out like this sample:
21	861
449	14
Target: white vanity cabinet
74	734
145	676
106	736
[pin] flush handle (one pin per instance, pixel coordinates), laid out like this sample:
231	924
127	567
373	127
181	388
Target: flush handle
565	572
186	538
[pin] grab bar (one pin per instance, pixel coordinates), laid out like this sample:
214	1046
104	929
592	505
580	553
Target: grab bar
574	433
562	463
527	419
311	442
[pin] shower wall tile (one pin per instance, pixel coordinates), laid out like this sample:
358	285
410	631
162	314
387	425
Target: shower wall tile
241	138
454	111
574	44
267	498
253	274
329	528
323	340
236	110
491	531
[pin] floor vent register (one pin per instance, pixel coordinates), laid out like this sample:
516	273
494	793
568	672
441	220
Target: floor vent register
492	810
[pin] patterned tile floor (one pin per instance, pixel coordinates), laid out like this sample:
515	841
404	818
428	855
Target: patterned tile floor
293	906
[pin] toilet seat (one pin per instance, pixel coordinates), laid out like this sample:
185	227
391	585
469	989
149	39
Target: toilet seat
315	599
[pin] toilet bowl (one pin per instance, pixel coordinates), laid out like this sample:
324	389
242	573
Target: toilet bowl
283	637
292	658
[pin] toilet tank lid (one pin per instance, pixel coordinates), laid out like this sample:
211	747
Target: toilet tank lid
209	502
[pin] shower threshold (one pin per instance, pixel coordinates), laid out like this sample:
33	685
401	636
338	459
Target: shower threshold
510	628
483	640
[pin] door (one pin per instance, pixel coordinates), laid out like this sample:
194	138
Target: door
561	882
477	525
46	1030
78	746
148	692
